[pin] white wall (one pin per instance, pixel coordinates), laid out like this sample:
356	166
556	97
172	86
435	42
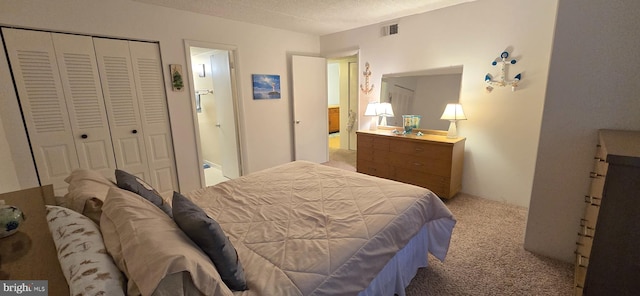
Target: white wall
593	84
333	83
503	127
267	139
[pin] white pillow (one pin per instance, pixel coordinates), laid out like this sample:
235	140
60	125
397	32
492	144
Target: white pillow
86	265
87	191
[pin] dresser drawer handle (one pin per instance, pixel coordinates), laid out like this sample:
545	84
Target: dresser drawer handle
586	230
583	235
592	199
599	159
595	175
582	261
419	149
417	164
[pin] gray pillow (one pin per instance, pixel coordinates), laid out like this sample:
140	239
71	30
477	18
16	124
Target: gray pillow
134	184
208	235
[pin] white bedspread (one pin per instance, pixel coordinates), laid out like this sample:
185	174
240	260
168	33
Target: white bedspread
308	229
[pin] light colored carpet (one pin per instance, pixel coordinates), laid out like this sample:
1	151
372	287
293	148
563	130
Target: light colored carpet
486	255
342	158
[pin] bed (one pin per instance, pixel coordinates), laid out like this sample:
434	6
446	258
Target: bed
296	229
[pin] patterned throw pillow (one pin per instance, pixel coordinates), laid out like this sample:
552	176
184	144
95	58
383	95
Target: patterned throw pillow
86	265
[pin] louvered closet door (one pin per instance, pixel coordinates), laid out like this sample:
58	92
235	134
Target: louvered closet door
36	75
147	68
85	104
120	97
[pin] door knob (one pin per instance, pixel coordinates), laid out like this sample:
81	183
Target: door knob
217	124
84	136
297	121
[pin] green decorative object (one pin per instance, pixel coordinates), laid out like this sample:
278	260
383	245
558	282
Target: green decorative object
177	83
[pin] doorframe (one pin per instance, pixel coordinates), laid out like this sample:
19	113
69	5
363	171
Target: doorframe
237	103
346	54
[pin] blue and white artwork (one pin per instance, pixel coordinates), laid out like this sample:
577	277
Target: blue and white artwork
266	86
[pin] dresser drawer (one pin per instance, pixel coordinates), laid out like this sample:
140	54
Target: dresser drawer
580	276
435	183
367	154
423	149
375	169
600	167
373	142
440	167
584	244
596	187
591	215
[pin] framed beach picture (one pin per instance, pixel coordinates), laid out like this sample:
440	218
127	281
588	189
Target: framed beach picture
266	86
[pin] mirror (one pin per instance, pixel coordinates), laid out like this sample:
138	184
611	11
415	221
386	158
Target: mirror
425	93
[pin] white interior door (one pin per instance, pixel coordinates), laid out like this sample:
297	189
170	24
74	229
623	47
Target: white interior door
310	105
116	74
152	101
85	104
37	79
225	111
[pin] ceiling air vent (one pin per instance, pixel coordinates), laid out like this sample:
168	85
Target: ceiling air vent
390	30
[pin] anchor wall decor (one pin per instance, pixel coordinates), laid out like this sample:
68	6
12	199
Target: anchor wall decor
503	72
366	89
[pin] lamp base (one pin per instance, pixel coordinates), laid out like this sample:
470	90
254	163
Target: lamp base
383	121
374	123
452	133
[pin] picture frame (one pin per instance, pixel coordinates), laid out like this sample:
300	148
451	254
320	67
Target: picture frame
266	86
177	82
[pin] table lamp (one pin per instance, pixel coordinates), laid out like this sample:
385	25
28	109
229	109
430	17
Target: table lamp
385	110
453	113
372	111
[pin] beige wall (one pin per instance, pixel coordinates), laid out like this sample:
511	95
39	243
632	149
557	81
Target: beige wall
267	139
503	126
593	84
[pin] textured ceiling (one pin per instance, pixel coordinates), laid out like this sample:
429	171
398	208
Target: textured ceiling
318	17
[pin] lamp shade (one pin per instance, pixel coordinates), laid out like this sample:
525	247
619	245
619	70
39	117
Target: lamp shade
385	109
453	112
372	109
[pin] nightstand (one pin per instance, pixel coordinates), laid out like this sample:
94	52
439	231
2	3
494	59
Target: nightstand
30	254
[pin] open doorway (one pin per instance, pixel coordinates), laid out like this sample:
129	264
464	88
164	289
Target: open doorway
342	77
214	100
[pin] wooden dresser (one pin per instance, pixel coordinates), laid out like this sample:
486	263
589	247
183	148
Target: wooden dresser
608	245
30	254
334	119
432	161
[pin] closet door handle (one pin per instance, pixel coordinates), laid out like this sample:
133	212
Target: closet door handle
84	136
134	131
